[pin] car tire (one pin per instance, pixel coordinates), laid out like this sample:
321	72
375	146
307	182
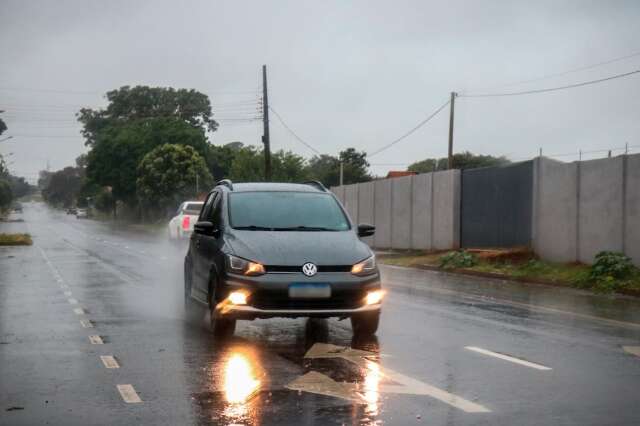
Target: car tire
220	326
366	323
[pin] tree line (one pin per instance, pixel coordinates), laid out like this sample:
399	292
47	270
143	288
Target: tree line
149	150
11	187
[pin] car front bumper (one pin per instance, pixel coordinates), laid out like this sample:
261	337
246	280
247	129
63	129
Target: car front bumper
268	296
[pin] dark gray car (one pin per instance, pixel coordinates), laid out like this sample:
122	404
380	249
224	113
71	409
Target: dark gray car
262	250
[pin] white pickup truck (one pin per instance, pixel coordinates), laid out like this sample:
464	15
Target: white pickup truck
187	215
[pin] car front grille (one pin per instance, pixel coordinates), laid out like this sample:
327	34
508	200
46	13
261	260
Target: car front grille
296	268
350	299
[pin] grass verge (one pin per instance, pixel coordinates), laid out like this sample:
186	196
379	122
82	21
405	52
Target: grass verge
518	265
15	240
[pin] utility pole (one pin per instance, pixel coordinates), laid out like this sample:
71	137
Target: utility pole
341	173
451	114
197	189
265	122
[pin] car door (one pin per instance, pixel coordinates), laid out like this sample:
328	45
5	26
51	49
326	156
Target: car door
210	245
200	281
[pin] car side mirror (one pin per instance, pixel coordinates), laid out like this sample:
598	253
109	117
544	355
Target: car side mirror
366	230
206	228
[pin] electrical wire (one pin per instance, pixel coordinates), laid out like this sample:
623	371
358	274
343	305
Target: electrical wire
570	71
549	89
410	132
298	138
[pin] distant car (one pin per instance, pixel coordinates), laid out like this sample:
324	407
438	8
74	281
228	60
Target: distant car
182	223
72	210
82	213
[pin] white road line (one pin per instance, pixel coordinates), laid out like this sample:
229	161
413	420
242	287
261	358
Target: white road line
129	394
79	311
68	293
73	301
86	323
109	361
635	350
96	340
507	358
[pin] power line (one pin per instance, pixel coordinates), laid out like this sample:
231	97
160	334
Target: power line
410	132
550	89
570	71
292	132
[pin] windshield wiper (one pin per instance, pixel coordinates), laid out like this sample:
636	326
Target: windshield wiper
304	228
254	228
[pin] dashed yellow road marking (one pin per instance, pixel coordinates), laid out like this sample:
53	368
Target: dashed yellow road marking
507	358
635	350
86	323
129	394
96	340
79	311
109	361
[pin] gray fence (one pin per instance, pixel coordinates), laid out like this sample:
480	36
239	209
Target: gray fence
496	206
585	207
412	212
576	209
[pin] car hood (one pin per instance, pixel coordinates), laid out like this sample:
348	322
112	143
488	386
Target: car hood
294	248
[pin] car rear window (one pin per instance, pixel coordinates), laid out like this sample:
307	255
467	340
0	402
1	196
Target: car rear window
280	210
193	208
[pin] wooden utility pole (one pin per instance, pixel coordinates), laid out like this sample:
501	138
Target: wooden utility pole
451	113
265	122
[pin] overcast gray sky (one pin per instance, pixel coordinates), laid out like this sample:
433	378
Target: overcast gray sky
341	73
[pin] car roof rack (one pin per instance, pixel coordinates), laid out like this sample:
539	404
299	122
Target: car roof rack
317	184
226	182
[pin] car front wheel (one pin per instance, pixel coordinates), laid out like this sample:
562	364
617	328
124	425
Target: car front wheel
365	323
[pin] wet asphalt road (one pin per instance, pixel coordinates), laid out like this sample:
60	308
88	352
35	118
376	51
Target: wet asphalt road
449	351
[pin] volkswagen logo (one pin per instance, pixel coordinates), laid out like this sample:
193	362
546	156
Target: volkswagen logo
309	269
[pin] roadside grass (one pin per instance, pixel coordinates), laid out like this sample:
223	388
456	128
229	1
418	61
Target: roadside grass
522	266
15	240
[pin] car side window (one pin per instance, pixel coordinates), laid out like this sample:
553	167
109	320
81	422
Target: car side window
205	213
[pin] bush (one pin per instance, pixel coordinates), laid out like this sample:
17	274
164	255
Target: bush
610	271
458	259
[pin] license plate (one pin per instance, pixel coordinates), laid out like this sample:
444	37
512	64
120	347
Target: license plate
309	290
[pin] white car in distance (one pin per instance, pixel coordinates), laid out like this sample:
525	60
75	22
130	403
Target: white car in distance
187	215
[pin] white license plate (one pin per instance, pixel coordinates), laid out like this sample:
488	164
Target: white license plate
309	291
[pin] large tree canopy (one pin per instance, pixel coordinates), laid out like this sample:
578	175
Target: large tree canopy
326	168
131	104
64	186
248	165
117	152
461	160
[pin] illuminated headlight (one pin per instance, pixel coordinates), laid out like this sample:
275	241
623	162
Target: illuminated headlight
245	267
374	297
366	267
238	298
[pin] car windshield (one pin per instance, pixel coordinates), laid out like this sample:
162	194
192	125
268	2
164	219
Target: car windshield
192	208
286	211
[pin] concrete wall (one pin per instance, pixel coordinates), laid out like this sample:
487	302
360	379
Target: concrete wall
555	210
632	209
583	208
411	212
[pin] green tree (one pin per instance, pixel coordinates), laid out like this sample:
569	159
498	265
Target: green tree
220	158
167	175
131	104
248	166
461	160
326	168
116	154
5	194
64	186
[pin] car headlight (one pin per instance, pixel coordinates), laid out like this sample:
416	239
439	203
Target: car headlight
239	265
366	267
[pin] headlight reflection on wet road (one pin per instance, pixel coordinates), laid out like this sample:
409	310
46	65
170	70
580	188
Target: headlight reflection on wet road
240	382
372	377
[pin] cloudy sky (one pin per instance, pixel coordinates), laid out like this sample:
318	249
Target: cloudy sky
341	73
